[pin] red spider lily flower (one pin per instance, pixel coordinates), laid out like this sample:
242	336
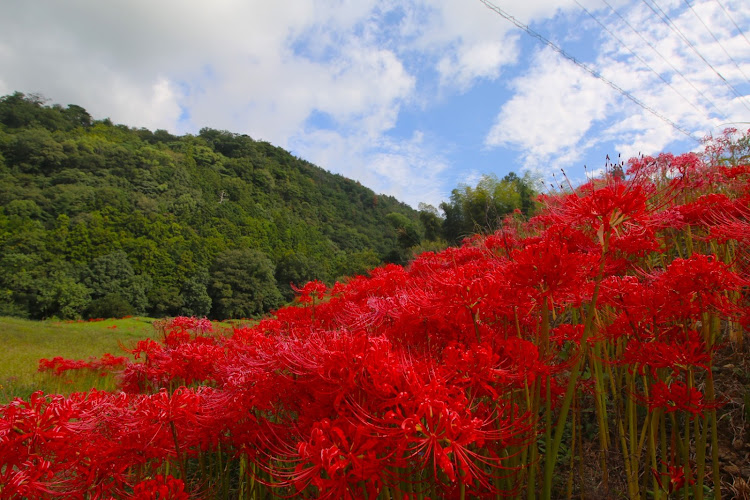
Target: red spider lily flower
312	291
551	268
60	365
603	208
677	351
666	166
690	287
31	479
105	364
197	326
676	479
160	488
335	460
708	208
677	396
727	227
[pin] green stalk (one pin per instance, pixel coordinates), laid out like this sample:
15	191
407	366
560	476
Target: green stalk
686	456
544	352
628	451
601	414
551	459
652	450
576	415
700	455
534	458
713	327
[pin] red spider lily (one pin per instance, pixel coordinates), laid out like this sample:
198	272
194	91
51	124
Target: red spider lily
181	360
677	396
676	479
310	292
678	351
335	459
59	365
196	326
689	287
603	208
550	268
33	478
708	208
160	488
666	166
727	227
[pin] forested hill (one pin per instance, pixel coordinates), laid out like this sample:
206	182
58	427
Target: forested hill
98	219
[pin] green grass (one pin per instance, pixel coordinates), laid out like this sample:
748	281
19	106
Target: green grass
23	343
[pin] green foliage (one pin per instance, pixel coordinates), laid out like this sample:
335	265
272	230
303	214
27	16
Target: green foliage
481	209
112	305
97	219
243	284
113	282
296	268
61	296
194	292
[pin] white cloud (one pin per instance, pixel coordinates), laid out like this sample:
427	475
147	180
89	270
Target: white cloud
481	60
559	111
554	106
264	68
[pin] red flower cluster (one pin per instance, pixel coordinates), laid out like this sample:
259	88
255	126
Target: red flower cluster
106	363
420	379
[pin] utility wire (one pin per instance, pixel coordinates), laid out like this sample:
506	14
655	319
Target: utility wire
666	20
733	22
583	66
605	28
717	40
676	70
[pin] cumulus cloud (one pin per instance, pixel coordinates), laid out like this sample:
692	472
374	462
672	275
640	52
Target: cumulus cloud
481	60
264	68
553	107
559	111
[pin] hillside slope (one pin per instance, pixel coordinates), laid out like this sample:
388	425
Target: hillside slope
100	219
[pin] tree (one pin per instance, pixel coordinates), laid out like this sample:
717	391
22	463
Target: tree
60	295
431	222
243	284
78	116
481	209
453	223
196	301
35	151
407	232
113	282
296	268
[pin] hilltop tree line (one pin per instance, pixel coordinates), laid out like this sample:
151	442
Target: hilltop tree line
99	219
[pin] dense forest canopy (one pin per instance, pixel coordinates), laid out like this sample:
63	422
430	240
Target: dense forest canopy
98	219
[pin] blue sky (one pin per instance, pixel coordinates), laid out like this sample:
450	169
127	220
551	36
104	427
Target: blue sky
412	97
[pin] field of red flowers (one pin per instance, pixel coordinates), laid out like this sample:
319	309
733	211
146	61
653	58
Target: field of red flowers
588	334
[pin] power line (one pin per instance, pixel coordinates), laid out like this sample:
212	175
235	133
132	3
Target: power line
605	28
733	22
666	20
669	63
583	66
717	40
